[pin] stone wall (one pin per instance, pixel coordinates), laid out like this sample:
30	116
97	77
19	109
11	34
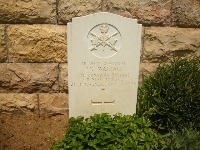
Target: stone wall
33	45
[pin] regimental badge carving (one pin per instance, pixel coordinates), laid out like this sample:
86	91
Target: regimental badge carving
104	40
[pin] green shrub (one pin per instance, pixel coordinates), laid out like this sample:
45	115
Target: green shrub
186	139
170	98
103	132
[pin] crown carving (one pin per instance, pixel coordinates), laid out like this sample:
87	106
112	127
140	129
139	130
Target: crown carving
104	28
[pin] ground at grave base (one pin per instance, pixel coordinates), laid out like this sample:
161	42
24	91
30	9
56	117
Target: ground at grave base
30	132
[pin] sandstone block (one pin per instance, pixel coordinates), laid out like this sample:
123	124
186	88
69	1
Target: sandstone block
3	52
148	12
147	69
75	8
63	77
27	11
18	103
163	43
28	78
37	43
53	104
186	13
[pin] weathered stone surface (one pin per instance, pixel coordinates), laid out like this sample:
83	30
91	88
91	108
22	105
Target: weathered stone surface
37	43
63	77
3	52
147	69
28	11
141	47
53	104
186	13
18	103
75	8
149	12
161	44
28	78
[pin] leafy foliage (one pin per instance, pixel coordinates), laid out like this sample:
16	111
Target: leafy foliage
103	132
171	97
186	139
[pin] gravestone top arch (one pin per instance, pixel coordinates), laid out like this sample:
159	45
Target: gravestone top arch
103	64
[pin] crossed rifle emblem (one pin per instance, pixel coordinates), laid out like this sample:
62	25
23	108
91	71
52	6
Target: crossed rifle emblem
104	39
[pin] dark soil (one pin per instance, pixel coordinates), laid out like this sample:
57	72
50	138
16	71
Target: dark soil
30	132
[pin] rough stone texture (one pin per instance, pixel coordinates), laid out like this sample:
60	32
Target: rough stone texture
53	104
3	53
28	11
63	77
186	13
148	12
75	8
28	78
147	69
37	43
142	42
18	103
161	44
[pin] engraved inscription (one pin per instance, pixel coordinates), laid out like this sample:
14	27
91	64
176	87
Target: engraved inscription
104	40
103	74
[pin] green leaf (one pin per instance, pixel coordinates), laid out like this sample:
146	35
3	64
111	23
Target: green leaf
147	144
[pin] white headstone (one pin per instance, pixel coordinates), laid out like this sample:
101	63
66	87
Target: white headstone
103	64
